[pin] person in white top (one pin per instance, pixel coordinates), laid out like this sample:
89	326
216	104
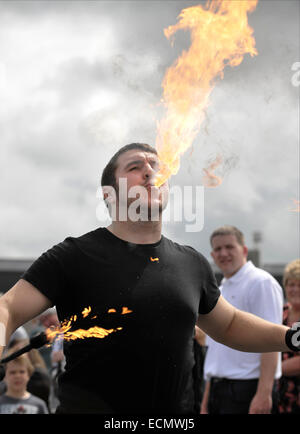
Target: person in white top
240	382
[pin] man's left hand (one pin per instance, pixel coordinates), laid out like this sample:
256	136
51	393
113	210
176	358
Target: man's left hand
261	404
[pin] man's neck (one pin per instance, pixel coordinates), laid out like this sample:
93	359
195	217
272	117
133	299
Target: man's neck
229	275
17	394
294	313
137	232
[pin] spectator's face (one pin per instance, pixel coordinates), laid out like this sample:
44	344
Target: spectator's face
16	377
228	254
292	289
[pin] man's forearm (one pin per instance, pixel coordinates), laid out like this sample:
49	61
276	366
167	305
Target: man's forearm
250	333
262	401
18	306
244	331
6	328
268	367
205	398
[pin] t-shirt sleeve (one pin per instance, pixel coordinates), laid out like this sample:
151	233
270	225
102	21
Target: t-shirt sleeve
49	273
210	292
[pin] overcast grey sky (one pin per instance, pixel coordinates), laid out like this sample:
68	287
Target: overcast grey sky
79	79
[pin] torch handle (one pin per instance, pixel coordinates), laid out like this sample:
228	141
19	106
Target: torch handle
35	342
2	372
16	354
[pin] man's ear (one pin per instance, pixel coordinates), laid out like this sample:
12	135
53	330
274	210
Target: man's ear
109	195
105	197
245	251
110	199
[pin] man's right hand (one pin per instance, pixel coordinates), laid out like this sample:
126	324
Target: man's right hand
19	305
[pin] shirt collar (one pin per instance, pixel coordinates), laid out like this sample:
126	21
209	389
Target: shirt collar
239	275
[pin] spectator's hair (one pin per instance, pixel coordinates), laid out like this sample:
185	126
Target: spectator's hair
22	360
291	271
108	174
229	230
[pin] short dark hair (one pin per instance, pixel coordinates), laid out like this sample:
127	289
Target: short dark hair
229	230
108	174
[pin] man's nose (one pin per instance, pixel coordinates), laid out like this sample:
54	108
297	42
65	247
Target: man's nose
149	171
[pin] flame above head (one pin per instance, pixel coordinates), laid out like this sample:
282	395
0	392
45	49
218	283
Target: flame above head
64	331
210	179
220	36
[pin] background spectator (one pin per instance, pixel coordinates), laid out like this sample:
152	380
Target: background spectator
17	399
198	371
39	383
19	336
289	383
58	365
241	382
41	323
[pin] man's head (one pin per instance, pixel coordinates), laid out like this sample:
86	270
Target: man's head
109	173
228	249
129	177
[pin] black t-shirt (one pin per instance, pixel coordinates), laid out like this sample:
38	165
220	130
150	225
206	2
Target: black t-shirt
146	366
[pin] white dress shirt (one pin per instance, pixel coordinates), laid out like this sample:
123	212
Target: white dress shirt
252	290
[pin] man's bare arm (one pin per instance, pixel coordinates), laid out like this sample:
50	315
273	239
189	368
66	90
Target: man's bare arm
262	401
205	398
20	304
242	331
268	366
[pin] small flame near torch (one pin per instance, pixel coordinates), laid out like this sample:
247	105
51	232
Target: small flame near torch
297	205
210	179
64	330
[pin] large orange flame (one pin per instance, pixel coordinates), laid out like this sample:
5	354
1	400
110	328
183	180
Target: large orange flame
220	36
64	330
